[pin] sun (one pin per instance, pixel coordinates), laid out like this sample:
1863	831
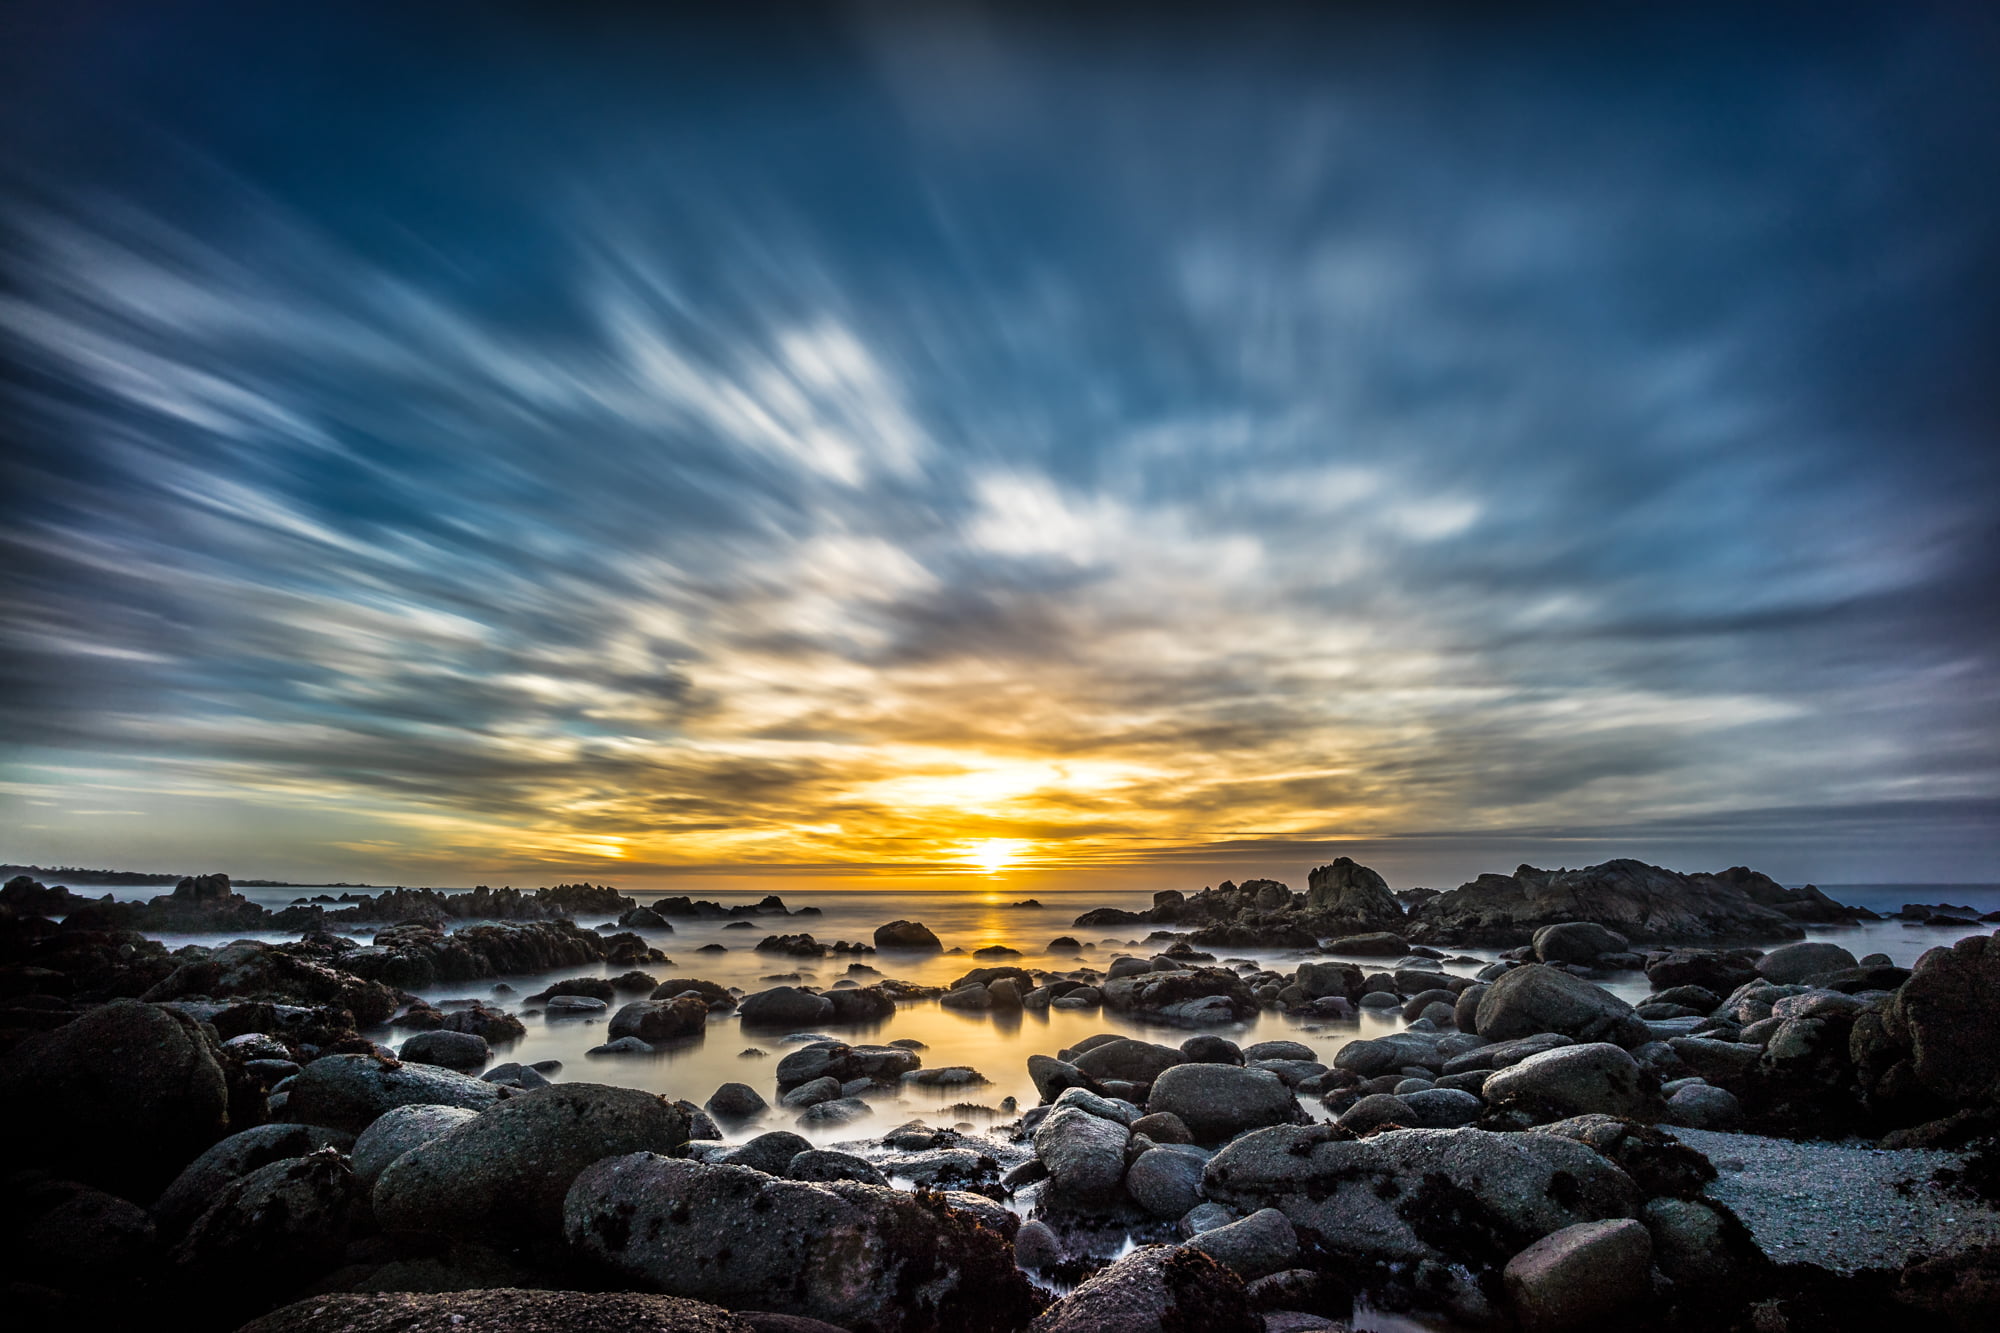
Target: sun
993	855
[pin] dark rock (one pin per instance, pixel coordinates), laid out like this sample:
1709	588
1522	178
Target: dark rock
462	1051
1166	1182
268	1233
1347	897
1454	1196
1536	999
785	1007
770	1153
715	996
1659	1163
1377	944
122	1097
1798	962
397	1131
500	1178
349	1091
1208	1049
195	1188
1263	1243
1084	1153
906	935
506	1310
1595	1077
654	1021
1644	903
1160	1289
1714	970
737	1102
1946	1015
1216	1102
1576	942
1129	1060
858	1256
825	1164
1580	1277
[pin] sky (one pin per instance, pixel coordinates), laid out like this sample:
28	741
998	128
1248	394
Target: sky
883	442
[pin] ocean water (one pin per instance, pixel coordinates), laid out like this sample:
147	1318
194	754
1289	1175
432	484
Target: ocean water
997	1045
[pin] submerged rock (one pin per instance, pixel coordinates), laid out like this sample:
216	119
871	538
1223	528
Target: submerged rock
859	1256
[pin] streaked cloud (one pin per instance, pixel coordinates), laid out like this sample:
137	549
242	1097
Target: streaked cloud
990	432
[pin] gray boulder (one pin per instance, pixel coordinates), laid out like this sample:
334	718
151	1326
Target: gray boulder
1166	1182
1376	1199
195	1188
785	1007
660	1020
1442	1108
397	1131
827	1164
856	1256
770	1153
1580	1277
1574	1080
1702	1106
1051	1076
500	1177
467	1052
1351	897
736	1102
1577	942
1217	1102
1160	1289
1084	1153
1797	962
1264	1242
272	1231
1129	1060
1536	999
349	1091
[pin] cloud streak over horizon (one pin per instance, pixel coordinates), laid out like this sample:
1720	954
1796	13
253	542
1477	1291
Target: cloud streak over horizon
601	454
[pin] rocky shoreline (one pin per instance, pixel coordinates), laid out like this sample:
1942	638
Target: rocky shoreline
1782	1139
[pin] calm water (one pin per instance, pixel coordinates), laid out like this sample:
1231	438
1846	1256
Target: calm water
996	1045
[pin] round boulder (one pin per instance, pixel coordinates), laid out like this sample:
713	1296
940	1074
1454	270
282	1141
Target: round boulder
660	1020
463	1051
907	935
1218	1102
1595	1077
1536	999
785	1007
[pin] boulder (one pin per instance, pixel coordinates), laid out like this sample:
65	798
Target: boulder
736	1102
1344	895
1453	1196
1574	1080
1375	944
195	1188
660	1020
1714	970
349	1091
1051	1076
1166	1182
1797	962
124	1096
1645	903
857	1256
1946	1015
1701	1106
785	1007
906	935
270	1232
1580	1277
397	1131
1536	999
1263	1243
1217	1102
1160	1289
464	1051
1084	1153
1128	1060
1577	942
500	1178
827	1164
504	1310
771	1153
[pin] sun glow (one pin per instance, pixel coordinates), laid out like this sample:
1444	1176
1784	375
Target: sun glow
994	855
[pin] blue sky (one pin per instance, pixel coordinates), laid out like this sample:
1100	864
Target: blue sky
867	440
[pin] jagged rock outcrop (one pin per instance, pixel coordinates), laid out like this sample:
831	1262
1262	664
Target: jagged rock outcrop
1647	904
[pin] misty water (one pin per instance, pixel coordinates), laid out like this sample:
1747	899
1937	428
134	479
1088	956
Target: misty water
997	1045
